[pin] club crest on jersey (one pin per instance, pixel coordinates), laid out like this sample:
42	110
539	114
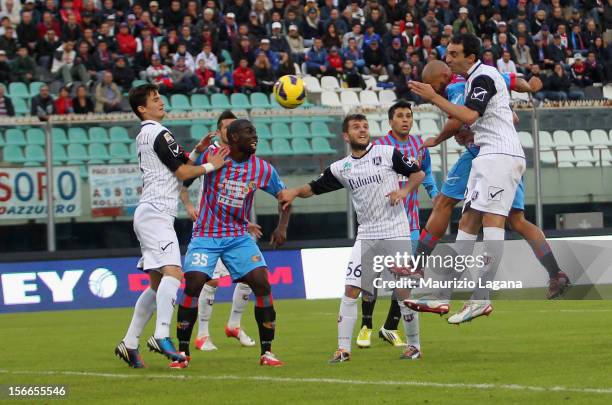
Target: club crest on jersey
346	167
377	160
168	137
479	93
256	258
409	161
474	195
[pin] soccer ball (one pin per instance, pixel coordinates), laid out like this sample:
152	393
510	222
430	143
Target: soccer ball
289	91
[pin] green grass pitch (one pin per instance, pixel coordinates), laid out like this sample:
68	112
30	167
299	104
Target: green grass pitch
525	352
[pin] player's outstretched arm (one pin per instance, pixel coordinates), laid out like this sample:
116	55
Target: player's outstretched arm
285	197
279	236
215	162
191	211
532	86
450	129
201	147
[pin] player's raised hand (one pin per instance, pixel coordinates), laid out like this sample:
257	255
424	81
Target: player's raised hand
424	90
536	84
285	197
464	136
396	196
278	238
205	142
192	213
254	230
218	157
431	142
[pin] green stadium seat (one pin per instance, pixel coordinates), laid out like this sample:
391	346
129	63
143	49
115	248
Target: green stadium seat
200	102
227	59
260	100
301	146
300	130
35	136
138	82
98	135
219	101
180	102
35	155
280	130
2	143
20	105
19	89
240	101
35	88
77	135
59	154
13	154
59	136
281	147
133	153
15	136
321	146
263	131
119	134
273	102
197	131
119	153
167	105
263	148
77	154
97	154
320	129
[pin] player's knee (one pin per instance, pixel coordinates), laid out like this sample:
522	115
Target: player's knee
213	283
516	220
172	271
351	291
444	203
194	281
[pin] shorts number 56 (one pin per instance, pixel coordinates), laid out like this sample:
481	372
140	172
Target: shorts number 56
355	271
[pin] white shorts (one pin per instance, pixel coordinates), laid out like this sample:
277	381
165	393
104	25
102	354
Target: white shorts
220	270
158	241
493	182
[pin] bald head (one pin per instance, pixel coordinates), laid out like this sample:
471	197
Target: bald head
437	74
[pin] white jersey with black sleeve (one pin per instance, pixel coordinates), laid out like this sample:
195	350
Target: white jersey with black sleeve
159	156
486	92
369	179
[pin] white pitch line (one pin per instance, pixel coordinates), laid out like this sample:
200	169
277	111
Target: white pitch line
484	386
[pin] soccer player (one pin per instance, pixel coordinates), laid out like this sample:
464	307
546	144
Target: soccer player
221	232
411	146
369	173
206	300
497	170
164	165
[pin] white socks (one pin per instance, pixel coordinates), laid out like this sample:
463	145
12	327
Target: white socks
166	298
493	241
239	301
346	322
143	310
411	325
205	308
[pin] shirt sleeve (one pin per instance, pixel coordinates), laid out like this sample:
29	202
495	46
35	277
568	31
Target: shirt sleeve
429	182
483	89
404	165
326	183
274	184
169	151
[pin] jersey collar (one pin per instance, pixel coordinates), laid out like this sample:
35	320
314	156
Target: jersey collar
148	122
368	149
473	68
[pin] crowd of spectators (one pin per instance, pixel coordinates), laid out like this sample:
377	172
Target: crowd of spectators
207	46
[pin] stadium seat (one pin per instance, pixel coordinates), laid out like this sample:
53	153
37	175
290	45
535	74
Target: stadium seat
15	136
546	140
429	127
263	148
227	59
321	146
301	146
368	98
98	154
133	153
279	130
300	130
607	91
98	135
415	130
312	84
167	105
35	88
21	108
77	135
565	158
603	156
119	134
138	82
548	156
320	129
330	83
263	131
348	99
219	101
515	95
274	103
200	102
260	100
387	97
526	139
180	102
281	147
370	82
18	89
77	154
35	136
2	143
436	162
453	146
583	154
59	154
13	154
562	140
240	101
197	131
384	127
374	129
599	137
35	155
119	153
59	136
330	99
580	138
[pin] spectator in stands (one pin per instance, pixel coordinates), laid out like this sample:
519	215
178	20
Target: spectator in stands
85	61
5	68
71	31
286	66
244	78
8	42
331	38
591	33
334	61
488	58
558	86
6	105
102	58
264	75
377	21
210	60
244	51
316	59
351	75
463	19
296	44
64	66
164	55
354	33
505	64
12	9
523	54
595	72
374	59
394	32
108	95
182	52
23	67
192	43
534	71
503	46
224	79
600	50
312	26
26	31
173	15
255	27
578	72
82	103
159	74
555	51
63	103
47	23
206	79
184	79
143	58
354	53
401	83
336	19
264	46
410	36
228	30
45	49
395	56
42	104
370	36
278	42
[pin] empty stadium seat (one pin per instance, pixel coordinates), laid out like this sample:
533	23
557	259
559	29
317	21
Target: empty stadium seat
77	135
35	88
133	153
436	162
321	146
219	101
320	129
565	158
180	102
599	137
119	153
548	156
58	135
200	102
300	130
98	135
526	139
607	91
77	154
166	101
384	127
370	82
281	147
263	148
18	89
34	155
260	100
603	156
374	128
119	134
330	99
429	127
138	82
279	130
387	97
59	154
35	136
263	131
312	84
240	100
15	136
98	154
453	146
562	140
13	154
583	154
348	99
330	83
368	98
546	140
20	105
580	138
301	146
198	131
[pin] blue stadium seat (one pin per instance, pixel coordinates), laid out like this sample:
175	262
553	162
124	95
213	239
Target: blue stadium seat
263	131
300	130
59	154
321	146
198	131
281	147
18	89
20	105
